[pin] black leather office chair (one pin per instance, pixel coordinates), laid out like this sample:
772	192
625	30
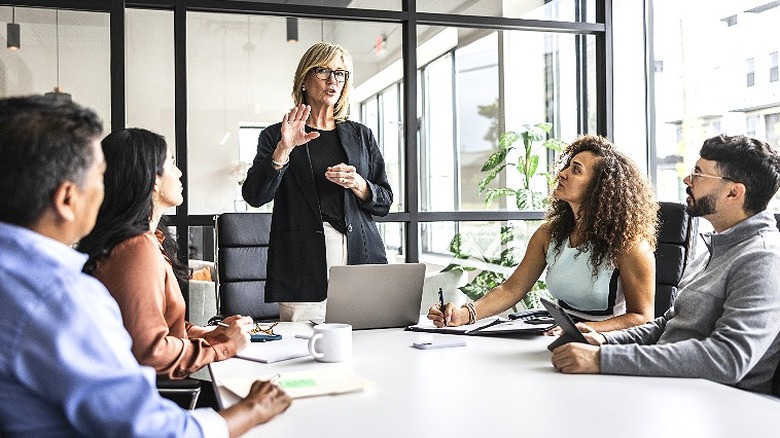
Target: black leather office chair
241	256
183	392
671	255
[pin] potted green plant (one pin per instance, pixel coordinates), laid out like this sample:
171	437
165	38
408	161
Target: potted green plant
534	138
467	254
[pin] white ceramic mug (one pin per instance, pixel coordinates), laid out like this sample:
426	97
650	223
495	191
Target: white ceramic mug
331	342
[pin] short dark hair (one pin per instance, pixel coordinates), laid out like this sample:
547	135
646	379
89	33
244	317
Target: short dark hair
749	161
43	143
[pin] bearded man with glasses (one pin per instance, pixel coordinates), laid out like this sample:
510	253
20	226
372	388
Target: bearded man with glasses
725	323
327	179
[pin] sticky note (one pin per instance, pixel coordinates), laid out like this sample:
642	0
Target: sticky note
297	383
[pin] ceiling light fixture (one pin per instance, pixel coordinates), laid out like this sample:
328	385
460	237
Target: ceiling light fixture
292	30
14	32
58	93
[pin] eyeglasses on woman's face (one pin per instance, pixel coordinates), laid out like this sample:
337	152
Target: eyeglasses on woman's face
695	174
324	73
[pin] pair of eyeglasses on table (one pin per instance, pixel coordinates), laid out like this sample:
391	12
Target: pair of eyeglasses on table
258	333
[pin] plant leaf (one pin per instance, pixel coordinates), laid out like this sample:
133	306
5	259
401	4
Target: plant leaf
521	199
455	244
545	126
507	139
533	164
492	194
456	267
537	133
508	257
473	291
490	177
507	234
555	144
495	159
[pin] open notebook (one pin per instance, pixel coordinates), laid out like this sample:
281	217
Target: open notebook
300	384
493	326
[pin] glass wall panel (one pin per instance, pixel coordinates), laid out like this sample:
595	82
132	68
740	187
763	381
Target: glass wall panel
394	5
382	114
61	49
556	10
394	235
480	248
477	85
707	86
149	71
240	70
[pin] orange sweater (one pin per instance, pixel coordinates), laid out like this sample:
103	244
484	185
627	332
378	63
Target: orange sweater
139	276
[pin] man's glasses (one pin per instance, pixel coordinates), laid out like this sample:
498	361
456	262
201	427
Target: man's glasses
694	174
323	73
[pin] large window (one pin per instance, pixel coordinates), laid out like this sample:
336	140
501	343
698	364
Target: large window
716	78
436	95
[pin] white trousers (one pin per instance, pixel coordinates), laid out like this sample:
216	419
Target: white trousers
335	255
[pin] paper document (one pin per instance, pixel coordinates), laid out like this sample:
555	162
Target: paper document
514	326
428	326
268	352
488	326
302	384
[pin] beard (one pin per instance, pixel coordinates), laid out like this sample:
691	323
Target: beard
702	206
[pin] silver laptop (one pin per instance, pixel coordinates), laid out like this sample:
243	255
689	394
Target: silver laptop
375	296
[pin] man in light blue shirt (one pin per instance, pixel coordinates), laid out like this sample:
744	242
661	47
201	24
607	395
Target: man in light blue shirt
66	368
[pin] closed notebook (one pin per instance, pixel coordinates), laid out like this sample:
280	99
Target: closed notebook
269	352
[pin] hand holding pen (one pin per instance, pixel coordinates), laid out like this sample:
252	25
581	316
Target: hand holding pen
443	307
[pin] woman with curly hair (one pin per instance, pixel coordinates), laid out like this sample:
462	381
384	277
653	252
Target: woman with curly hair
602	219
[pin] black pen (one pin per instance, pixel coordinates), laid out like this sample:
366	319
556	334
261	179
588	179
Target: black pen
442	306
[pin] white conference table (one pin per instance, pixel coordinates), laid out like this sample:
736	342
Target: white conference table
498	387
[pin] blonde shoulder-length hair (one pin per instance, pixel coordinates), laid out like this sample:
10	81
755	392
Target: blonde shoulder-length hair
320	55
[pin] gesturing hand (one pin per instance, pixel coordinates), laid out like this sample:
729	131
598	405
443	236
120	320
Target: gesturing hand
294	128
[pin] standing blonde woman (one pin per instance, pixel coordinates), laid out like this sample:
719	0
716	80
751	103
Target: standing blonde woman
327	179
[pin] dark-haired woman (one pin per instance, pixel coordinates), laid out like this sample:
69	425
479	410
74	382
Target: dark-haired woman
134	259
602	217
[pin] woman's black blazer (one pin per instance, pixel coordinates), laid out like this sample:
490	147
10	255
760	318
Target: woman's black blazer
296	259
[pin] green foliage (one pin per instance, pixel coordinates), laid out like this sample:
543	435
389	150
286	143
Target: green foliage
534	137
488	279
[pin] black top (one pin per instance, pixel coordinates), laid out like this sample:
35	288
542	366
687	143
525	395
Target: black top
326	151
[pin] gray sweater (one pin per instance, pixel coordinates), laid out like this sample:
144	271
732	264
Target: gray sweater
725	322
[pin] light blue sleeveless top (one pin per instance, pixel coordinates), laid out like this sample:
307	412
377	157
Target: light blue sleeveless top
570	278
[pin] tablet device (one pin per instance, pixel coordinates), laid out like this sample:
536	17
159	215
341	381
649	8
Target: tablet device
570	331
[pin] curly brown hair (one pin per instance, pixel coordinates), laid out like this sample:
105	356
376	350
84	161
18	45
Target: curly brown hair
619	210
